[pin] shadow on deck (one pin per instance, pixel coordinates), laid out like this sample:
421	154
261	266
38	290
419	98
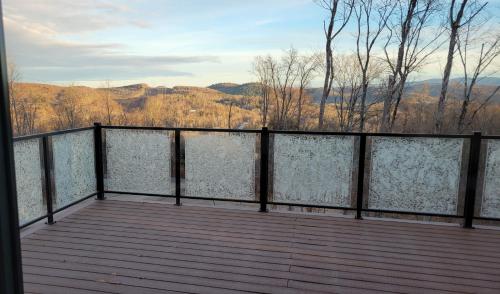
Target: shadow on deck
132	247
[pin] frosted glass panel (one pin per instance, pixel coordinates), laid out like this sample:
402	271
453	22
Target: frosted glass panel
313	169
221	165
29	180
415	174
491	193
74	169
138	161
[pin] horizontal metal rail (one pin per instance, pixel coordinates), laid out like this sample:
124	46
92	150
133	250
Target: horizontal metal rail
183	129
50	134
220	199
412	213
56	211
138	193
358	134
312	205
324	133
75	202
33	221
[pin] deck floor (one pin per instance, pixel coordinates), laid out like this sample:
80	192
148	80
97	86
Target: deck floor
132	247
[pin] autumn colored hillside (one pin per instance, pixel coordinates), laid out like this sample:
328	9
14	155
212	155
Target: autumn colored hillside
42	108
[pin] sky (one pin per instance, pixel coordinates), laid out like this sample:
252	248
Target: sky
162	42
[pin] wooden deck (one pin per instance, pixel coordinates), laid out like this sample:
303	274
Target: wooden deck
132	247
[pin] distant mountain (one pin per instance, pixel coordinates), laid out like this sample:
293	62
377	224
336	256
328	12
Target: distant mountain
489	81
431	86
248	89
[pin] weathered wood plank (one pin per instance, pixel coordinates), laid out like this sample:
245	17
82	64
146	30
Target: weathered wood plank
132	247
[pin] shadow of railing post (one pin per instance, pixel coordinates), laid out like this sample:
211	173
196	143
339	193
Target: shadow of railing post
99	166
472	177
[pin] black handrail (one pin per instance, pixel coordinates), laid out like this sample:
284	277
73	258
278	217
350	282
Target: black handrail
50	134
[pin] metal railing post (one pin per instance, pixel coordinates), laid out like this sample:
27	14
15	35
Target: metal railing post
99	166
361	175
177	167
264	165
472	175
47	165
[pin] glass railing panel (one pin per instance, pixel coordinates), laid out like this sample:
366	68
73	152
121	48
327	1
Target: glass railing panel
311	169
220	165
415	174
29	179
139	161
74	169
490	206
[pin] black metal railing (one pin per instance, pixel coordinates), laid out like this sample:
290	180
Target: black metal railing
48	175
471	179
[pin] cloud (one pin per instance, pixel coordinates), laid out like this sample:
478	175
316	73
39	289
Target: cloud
41	56
70	17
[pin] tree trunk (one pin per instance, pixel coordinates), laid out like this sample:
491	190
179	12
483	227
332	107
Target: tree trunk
399	96
362	111
455	24
446	79
327	84
461	118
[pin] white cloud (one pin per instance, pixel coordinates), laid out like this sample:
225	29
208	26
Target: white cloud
42	57
69	16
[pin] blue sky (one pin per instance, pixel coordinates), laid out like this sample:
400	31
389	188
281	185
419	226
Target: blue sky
160	42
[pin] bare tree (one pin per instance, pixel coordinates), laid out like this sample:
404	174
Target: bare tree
69	108
283	85
263	69
347	83
405	32
467	11
107	103
25	105
474	69
283	81
230	114
371	19
13	78
307	68
339	14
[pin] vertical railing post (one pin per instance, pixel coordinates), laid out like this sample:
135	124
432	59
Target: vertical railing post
472	176
361	175
177	167
99	166
264	165
47	165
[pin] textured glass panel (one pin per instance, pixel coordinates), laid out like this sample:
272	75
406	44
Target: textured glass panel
312	169
138	161
74	169
415	174
221	165
28	180
491	193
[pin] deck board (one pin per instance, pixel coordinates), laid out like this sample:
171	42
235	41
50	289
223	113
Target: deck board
132	247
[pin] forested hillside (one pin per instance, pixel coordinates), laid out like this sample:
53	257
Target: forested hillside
42	108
